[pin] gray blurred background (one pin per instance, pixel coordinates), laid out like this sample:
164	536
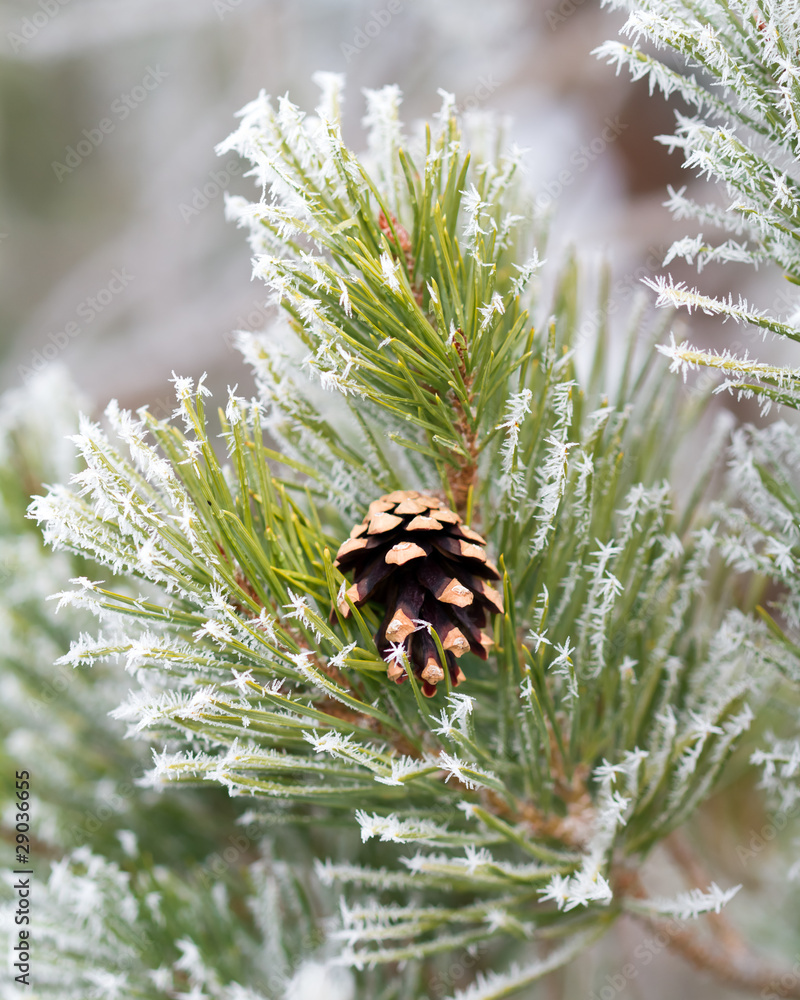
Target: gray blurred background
115	257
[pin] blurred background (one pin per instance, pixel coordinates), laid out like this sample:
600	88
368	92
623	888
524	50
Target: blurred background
116	260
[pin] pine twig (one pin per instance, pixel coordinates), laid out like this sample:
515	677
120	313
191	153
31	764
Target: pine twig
742	972
464	478
736	966
683	855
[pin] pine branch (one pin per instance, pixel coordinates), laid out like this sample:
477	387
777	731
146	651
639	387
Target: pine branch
744	136
607	681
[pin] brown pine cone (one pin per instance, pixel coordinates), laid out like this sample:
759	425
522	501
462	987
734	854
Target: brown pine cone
415	556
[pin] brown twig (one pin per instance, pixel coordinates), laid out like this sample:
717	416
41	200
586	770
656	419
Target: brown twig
685	858
464	477
744	972
400	243
571	829
739	967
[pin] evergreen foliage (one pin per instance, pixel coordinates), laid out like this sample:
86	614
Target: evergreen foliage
737	68
623	677
133	893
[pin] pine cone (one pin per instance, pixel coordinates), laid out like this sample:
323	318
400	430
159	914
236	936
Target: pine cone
415	556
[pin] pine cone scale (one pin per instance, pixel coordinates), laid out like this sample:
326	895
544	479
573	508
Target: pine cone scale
423	523
383	522
399	627
411	507
459	548
462	531
403	552
350	546
447	516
